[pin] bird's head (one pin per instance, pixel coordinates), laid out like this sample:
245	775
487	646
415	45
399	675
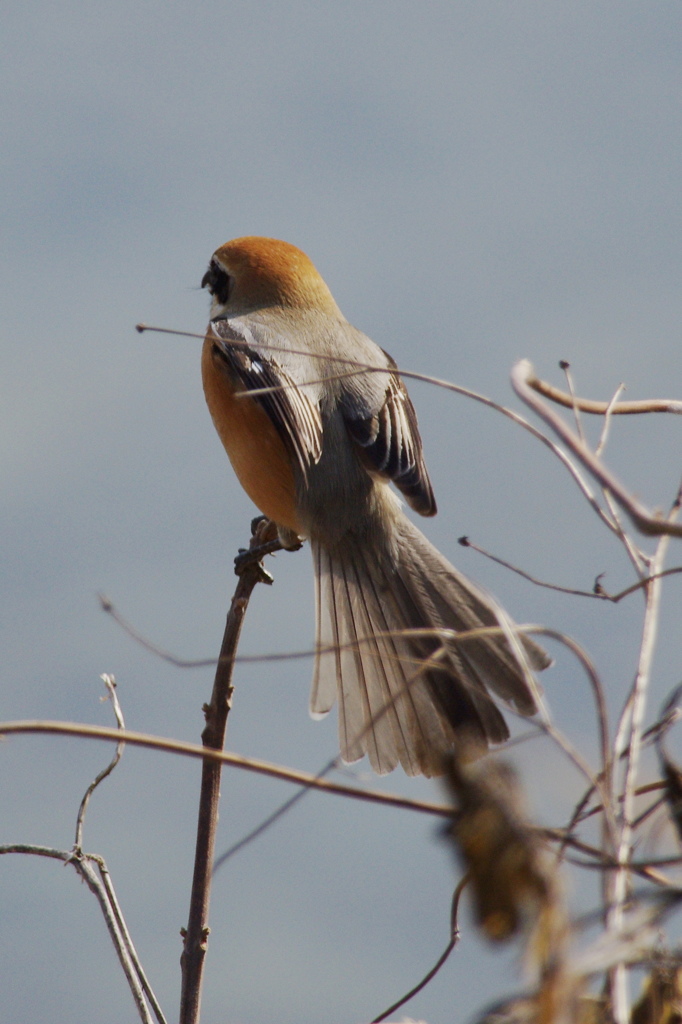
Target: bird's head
252	273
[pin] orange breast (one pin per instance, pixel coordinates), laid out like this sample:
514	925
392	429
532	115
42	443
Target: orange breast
255	449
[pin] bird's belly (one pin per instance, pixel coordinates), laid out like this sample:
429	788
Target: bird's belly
255	449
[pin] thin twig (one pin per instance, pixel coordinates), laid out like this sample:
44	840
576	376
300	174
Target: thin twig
127	938
585	815
637	556
566	367
85	869
299	778
608	416
104	889
597	592
454	938
651	809
259	829
570	401
581	813
110	684
602	781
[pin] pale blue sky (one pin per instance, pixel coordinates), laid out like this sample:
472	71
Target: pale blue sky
477	182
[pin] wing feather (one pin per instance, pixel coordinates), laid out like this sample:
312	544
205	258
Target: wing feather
390	440
294	415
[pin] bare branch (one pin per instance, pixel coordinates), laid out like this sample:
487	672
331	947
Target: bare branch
566	367
110	684
195	938
113	918
571	401
615	917
645	521
127	938
454	938
299	778
597	591
85	869
607	419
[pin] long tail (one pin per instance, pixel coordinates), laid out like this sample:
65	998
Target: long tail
390	706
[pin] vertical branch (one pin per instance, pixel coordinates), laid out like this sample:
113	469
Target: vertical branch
637	701
250	571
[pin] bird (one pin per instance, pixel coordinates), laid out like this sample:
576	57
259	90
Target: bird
317	424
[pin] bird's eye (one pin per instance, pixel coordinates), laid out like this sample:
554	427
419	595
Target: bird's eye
218	282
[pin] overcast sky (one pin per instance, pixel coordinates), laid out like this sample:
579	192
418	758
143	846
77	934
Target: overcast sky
477	182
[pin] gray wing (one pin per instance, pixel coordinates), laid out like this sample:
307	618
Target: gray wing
291	411
382	421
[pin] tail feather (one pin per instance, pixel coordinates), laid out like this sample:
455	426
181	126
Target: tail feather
338	665
455	602
373	657
359	660
365	681
451	683
406	699
327	669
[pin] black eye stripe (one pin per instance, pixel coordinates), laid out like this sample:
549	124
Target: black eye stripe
218	282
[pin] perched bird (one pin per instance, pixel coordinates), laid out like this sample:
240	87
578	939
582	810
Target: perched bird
317	453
